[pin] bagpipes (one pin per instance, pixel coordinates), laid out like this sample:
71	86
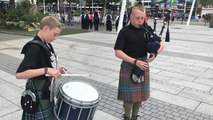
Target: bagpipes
167	39
153	44
154	40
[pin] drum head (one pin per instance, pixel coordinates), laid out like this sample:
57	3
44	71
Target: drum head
80	91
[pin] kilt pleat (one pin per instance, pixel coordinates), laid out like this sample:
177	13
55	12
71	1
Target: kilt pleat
129	91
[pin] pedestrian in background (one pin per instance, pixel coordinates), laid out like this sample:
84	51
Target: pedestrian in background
96	20
91	19
131	48
70	17
36	63
108	22
117	22
86	20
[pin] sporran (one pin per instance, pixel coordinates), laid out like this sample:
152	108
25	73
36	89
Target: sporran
28	99
137	75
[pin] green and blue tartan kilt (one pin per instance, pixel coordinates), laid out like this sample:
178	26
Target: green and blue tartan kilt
45	107
129	91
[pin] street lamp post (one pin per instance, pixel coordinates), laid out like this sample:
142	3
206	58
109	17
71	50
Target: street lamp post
44	5
92	6
190	14
185	6
80	5
57	5
123	6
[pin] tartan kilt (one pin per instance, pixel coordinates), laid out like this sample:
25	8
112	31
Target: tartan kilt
129	91
45	107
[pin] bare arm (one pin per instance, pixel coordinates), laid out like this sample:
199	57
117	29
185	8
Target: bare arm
158	52
161	47
120	54
38	72
141	64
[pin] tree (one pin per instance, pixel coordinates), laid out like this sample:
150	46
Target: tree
11	4
205	2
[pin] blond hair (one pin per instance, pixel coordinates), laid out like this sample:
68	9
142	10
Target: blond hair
139	7
51	22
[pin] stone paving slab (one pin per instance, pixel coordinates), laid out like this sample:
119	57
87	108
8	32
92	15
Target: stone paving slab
99	115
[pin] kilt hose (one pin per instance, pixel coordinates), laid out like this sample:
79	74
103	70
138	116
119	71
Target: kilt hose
45	107
129	91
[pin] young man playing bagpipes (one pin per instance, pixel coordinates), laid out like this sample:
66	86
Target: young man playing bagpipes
134	48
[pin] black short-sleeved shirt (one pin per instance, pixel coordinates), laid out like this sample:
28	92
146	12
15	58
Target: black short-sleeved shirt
35	56
132	41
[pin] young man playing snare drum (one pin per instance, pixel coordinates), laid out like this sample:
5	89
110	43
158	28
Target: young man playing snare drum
34	66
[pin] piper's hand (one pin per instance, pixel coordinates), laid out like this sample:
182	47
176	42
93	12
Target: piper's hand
151	57
142	65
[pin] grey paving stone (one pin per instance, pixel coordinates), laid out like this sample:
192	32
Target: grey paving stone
197	96
176	114
177	118
10	92
99	115
13	115
184	116
7	107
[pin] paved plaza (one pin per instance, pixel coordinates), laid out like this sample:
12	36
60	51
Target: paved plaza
181	76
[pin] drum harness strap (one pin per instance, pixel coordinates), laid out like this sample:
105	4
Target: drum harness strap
45	90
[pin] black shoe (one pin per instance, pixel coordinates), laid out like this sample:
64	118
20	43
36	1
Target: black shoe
126	118
135	117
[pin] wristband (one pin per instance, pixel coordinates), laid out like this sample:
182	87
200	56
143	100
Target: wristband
135	61
45	70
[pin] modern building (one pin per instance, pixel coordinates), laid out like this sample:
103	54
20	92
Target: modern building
146	3
4	5
207	10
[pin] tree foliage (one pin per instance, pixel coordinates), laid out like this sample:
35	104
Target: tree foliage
47	1
22	16
205	2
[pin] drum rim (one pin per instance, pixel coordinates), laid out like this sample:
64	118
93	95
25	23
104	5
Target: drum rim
73	100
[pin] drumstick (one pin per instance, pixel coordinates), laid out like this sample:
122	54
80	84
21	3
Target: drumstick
70	75
67	74
64	71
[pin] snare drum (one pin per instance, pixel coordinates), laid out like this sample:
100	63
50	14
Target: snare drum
76	101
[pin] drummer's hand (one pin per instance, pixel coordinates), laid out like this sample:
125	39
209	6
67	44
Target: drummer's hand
54	73
63	70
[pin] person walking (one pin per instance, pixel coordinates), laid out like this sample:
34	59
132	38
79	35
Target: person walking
116	22
125	19
70	17
96	20
86	20
37	62
130	47
91	19
108	22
